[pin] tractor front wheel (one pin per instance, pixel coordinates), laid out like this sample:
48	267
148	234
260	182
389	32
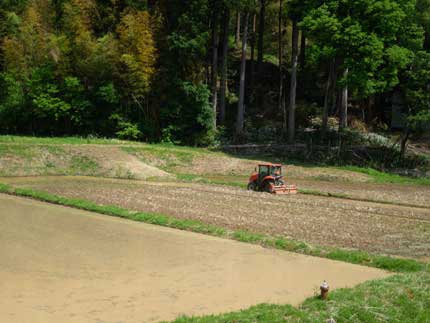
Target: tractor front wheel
252	186
269	187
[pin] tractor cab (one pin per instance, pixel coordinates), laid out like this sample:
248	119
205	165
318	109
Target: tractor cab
269	178
265	170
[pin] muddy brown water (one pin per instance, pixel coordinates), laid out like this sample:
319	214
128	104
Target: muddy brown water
65	265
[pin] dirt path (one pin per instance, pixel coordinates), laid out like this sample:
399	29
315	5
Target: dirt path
390	229
65	265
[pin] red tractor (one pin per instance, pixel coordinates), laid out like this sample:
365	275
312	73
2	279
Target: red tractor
268	178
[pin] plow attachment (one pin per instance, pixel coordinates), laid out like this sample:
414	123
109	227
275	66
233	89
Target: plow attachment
284	189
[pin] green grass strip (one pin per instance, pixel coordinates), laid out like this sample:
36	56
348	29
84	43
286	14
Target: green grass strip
386	178
147	217
281	243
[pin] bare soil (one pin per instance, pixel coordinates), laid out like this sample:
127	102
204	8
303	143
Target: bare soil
65	265
417	195
401	194
374	227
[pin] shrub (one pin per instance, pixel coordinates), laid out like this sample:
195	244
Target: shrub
128	131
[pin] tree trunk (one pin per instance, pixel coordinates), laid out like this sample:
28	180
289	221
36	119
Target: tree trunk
253	39
328	95
207	72
58	9
2	35
303	50
237	38
344	102
214	79
403	141
241	107
261	26
368	111
281	102
293	87
224	68
334	92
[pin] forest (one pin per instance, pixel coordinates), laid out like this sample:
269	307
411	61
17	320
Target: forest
200	72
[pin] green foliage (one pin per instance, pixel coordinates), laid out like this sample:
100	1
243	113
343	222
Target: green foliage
71	70
46	104
363	36
192	115
417	92
128	131
11	102
388	263
246	236
68	66
186	114
138	53
187	37
108	94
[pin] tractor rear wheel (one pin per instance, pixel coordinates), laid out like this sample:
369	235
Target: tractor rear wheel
252	186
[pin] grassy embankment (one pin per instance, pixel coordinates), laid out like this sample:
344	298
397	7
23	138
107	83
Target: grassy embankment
52	160
43	159
173	157
397	299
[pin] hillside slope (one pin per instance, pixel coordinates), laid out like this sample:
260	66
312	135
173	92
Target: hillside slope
24	156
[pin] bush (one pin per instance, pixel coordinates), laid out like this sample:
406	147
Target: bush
129	131
124	129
